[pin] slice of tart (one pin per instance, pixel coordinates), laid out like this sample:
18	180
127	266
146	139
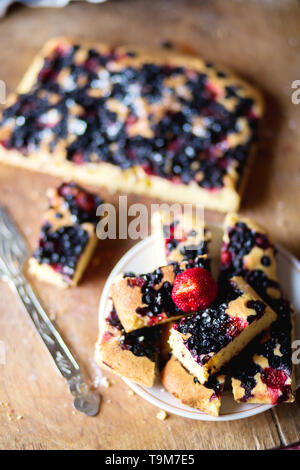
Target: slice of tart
264	373
178	381
207	340
68	236
247	250
145	300
181	237
131	355
131	119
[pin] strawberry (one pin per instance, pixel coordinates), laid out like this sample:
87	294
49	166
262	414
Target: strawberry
194	289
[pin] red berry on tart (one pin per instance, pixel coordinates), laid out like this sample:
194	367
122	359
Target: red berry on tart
194	289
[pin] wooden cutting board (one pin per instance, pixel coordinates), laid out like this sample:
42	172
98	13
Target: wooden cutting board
261	40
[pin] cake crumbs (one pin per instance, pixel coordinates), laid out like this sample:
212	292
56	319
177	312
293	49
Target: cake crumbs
131	392
19	417
104	382
162	415
52	316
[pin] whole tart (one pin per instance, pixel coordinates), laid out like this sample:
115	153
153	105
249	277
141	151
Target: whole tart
131	355
264	372
67	237
207	340
150	122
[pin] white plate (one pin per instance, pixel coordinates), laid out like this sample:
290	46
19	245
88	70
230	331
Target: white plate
142	258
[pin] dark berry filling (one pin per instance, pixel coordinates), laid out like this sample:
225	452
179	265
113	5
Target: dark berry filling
211	330
213	384
158	301
171	242
192	254
258	306
265	261
62	248
174	151
244	369
81	203
261	283
143	342
242	240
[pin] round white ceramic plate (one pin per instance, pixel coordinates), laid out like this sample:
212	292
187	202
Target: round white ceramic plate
143	258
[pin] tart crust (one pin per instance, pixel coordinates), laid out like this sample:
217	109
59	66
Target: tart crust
110	355
178	381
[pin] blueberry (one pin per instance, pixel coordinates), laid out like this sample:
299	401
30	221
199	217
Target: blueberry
62	247
265	261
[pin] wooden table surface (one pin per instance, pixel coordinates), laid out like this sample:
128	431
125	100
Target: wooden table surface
261	40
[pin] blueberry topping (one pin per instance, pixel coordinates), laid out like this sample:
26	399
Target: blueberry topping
265	260
61	248
173	150
211	330
259	307
214	384
158	301
241	241
81	203
143	342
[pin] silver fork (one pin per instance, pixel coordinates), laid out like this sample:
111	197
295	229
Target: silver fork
13	254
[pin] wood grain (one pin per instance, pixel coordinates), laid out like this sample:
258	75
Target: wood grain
261	40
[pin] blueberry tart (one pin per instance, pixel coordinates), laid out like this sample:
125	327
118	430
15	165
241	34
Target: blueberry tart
132	355
150	122
68	236
207	340
264	372
186	388
146	300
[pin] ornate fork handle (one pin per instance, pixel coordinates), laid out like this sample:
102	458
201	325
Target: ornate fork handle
85	400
